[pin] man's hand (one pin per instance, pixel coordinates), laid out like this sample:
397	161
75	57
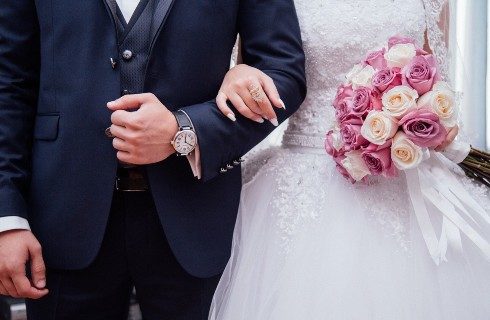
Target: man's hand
17	247
142	136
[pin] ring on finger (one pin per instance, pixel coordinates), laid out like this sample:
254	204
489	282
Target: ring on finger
256	93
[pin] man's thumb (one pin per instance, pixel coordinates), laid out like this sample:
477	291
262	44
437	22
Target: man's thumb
38	268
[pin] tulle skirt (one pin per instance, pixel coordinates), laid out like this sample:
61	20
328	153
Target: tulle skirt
309	245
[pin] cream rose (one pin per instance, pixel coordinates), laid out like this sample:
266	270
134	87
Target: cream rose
355	165
442	101
399	100
400	55
406	154
379	127
363	78
355	70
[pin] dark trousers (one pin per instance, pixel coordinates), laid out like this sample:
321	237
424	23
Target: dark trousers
134	252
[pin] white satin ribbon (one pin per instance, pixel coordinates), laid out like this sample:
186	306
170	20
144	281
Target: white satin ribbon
433	183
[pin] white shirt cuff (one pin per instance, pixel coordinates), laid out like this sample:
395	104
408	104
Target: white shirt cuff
195	162
13	223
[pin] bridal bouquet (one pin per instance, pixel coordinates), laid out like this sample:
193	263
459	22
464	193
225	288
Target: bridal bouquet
392	110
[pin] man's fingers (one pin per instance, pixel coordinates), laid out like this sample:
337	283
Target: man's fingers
9	287
131	101
3	291
25	289
121	145
38	268
271	91
121	118
221	99
119	132
125	157
244	110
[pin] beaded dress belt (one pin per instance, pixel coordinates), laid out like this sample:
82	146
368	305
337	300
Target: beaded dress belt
301	140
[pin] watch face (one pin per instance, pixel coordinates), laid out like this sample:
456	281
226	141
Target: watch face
185	141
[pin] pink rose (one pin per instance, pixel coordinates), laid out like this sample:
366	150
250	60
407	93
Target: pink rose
343	92
343	109
350	131
343	171
423	127
376	59
404	40
333	146
421	74
386	79
378	160
365	100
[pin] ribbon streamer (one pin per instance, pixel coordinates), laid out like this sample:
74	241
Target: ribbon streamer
433	183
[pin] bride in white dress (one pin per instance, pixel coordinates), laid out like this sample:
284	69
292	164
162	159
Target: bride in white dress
308	244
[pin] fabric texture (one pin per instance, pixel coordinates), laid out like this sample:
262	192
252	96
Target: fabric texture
134	253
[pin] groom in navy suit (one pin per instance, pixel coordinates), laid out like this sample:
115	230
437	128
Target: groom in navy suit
97	102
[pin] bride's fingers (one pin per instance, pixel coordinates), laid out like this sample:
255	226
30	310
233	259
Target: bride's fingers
221	99
271	91
242	107
258	95
452	134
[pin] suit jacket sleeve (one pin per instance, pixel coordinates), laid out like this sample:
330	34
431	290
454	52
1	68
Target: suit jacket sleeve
19	81
271	42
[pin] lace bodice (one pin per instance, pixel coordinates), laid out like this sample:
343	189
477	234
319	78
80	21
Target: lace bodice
336	35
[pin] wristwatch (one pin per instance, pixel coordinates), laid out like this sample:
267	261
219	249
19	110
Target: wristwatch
185	140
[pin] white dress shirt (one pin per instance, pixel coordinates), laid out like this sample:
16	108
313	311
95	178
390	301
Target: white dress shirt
17	223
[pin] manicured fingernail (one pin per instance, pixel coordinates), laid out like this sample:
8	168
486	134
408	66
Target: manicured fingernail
259	120
41	284
274	122
282	104
231	116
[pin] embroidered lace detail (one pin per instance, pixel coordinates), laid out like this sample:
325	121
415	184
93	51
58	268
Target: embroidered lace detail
435	35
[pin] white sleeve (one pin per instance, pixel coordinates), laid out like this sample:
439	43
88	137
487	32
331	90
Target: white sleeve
13	223
195	162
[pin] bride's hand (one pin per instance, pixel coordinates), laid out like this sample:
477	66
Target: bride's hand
451	135
252	93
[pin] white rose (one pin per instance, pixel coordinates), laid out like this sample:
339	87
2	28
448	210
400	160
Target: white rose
400	55
355	70
443	102
355	165
379	127
406	154
398	101
363	78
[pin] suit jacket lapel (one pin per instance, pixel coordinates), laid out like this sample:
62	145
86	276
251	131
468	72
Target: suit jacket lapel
111	6
162	10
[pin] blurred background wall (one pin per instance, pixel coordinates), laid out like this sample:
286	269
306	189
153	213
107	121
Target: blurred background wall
471	53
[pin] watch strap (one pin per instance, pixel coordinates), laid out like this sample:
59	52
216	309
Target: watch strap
183	120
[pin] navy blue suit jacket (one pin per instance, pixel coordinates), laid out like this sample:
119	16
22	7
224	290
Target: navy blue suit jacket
57	167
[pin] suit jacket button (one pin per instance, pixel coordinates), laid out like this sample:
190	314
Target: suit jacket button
223	170
229	166
236	162
125	92
127	55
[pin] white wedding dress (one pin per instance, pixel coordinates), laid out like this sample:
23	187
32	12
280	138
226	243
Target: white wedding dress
308	245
